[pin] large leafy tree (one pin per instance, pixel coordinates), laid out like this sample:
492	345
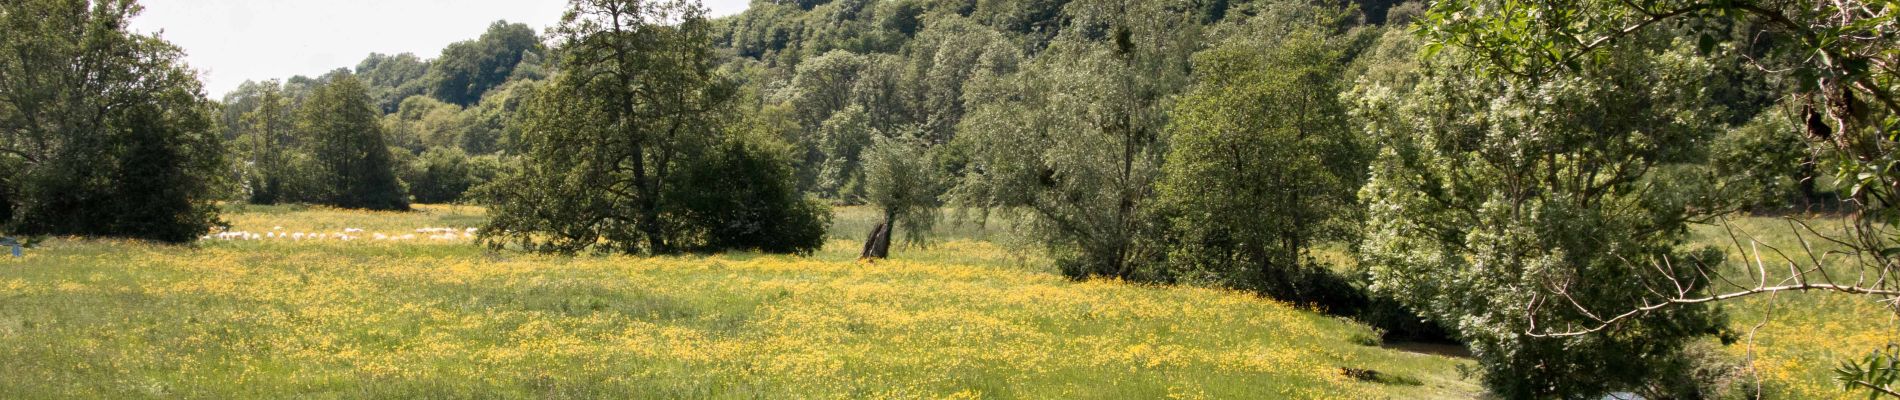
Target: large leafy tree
1075	139
1836	58
944	58
1497	203
421	123
842	140
623	146
355	168
1263	166
102	131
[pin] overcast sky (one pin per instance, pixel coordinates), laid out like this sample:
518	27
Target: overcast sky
231	41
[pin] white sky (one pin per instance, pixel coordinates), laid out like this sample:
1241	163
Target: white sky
231	41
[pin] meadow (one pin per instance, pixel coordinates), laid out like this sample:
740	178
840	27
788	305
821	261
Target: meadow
1789	343
962	318
968	316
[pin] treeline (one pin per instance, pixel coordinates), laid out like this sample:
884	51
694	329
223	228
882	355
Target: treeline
439	127
1431	171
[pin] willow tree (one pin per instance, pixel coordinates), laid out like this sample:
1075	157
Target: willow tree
630	148
903	181
1074	140
1263	167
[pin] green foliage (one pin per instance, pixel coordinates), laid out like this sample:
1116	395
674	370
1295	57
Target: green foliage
1875	374
902	179
1765	164
845	137
823	85
741	196
1824	53
444	174
468	69
1038	22
625	148
423	123
1263	167
488	129
354	165
266	147
392	79
103	132
944	58
1509	208
1075	139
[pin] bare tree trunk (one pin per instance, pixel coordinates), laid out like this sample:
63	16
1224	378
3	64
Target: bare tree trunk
878	246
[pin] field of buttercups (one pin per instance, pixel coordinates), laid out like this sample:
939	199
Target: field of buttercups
445	319
401	309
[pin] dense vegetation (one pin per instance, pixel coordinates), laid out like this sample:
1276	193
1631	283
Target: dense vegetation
1522	178
103	132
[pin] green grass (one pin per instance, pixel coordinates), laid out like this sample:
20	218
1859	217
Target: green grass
1792	341
961	318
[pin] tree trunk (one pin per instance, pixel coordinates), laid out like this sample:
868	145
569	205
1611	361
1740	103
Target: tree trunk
6	203
878	245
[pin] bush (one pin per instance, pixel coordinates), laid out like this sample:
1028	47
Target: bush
441	175
743	196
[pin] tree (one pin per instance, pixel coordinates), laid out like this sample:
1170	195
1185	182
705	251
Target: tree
440	175
843	139
1837	57
818	92
1074	139
741	196
1496	202
943	59
266	144
238	103
1263	167
356	169
103	132
618	144
902	181
489	127
391	79
468	69
423	123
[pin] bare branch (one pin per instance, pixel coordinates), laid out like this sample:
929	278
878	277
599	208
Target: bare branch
1648	307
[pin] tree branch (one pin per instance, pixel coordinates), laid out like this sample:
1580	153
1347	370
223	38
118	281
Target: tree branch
1647	308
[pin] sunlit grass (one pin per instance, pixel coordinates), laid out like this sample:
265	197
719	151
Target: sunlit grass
962	318
1792	341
